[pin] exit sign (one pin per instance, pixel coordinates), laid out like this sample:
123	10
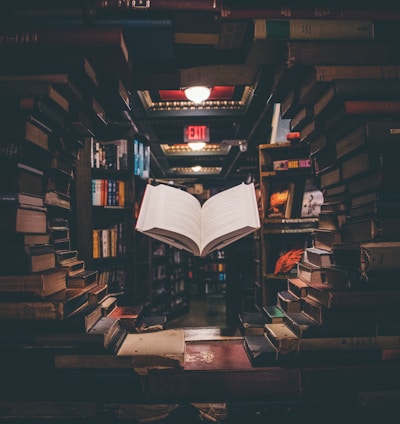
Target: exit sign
196	133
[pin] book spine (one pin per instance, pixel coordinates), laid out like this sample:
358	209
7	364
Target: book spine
317	13
376	107
311	29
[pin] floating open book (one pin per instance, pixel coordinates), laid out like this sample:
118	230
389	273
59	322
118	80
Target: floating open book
176	217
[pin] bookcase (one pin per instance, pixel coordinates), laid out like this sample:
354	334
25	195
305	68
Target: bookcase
162	274
290	204
213	273
104	219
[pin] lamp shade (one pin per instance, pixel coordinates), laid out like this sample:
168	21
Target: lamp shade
197	94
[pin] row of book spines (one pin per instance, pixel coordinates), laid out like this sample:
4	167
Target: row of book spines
287	164
108	192
219	267
141	159
110	155
109	242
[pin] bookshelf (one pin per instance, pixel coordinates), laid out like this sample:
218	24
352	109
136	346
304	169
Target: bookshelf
290	203
213	273
105	200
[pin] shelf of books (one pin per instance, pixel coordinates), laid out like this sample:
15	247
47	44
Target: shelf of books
213	271
290	205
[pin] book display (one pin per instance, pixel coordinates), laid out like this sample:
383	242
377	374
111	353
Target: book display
343	282
98	253
287	222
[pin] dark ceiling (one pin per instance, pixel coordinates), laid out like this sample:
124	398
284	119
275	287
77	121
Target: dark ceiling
173	44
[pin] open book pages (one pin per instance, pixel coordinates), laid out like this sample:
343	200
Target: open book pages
176	217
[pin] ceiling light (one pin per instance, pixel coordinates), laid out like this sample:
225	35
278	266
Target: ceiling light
197	94
197	146
196	168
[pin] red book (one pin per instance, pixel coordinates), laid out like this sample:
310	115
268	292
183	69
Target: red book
373	107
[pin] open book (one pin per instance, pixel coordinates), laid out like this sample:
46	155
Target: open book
176	217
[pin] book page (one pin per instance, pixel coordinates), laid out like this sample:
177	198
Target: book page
172	212
226	214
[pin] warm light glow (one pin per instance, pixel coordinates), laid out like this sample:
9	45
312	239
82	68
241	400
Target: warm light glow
196	168
197	94
197	146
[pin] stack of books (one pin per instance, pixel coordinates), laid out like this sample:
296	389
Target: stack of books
346	116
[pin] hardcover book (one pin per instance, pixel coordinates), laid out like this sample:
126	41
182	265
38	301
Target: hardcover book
27	263
82	279
297	286
370	228
58	306
34	89
288	302
280	200
252	323
128	315
260	351
41	284
320	76
147	324
357	89
155	350
327	239
310	273
177	217
22	219
273	313
319	257
313	29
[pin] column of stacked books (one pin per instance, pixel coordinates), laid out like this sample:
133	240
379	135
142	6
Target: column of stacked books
342	303
48	298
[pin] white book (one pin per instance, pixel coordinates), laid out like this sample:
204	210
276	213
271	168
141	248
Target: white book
177	217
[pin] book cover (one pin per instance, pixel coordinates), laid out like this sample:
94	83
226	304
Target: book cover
312	199
224	218
260	351
313	29
252	323
155	350
280	200
273	313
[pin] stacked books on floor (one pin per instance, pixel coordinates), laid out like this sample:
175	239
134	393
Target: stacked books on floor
50	302
343	302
